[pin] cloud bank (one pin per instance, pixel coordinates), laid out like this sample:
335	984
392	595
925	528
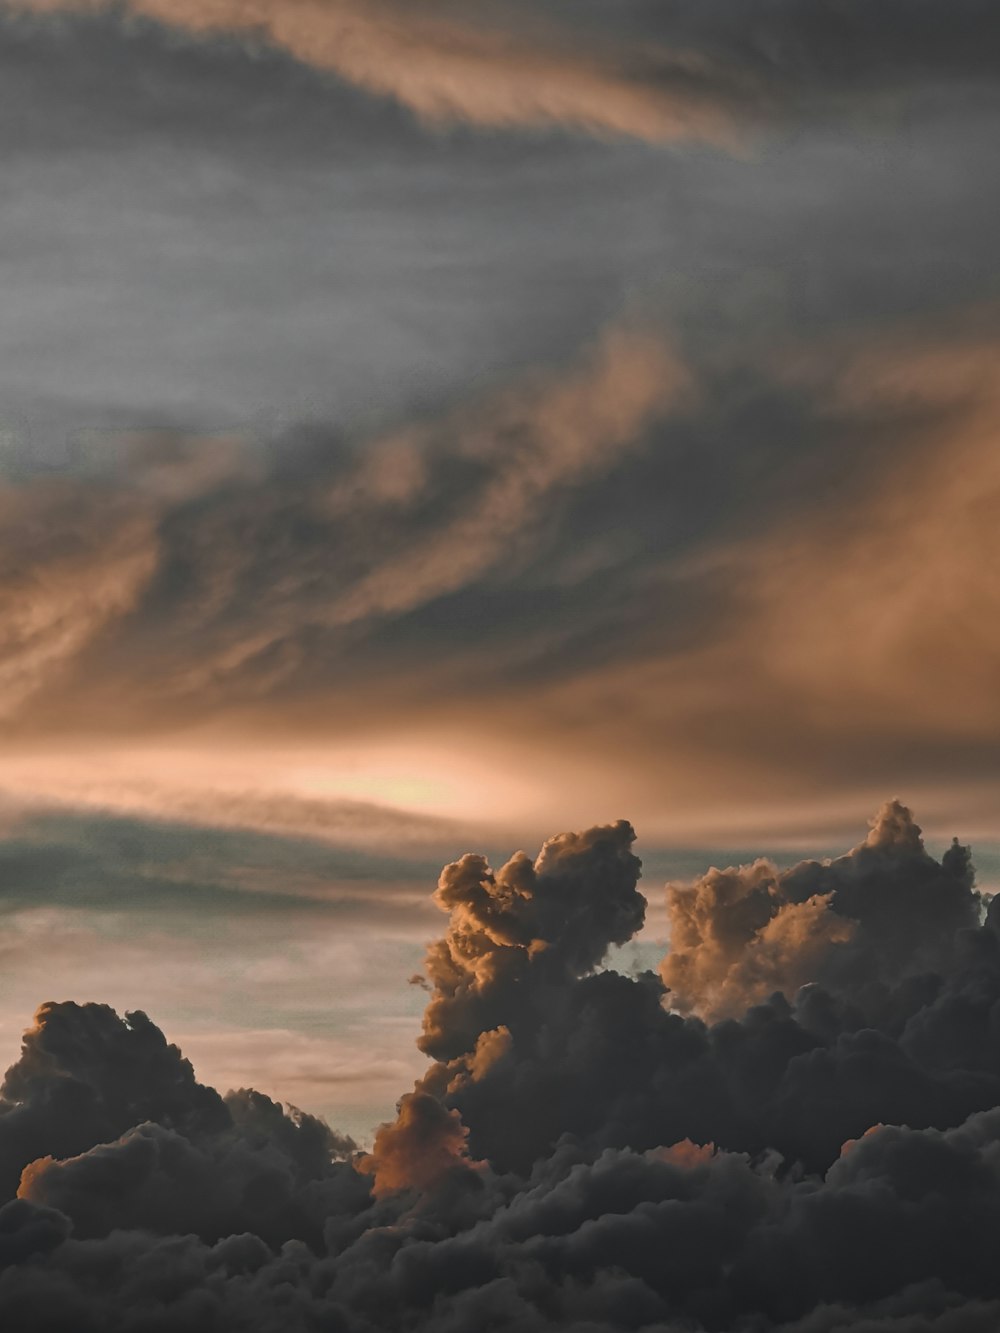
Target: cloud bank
587	1149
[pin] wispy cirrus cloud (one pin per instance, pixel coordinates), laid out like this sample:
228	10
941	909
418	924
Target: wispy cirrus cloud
72	561
450	64
627	71
277	603
530	443
413	517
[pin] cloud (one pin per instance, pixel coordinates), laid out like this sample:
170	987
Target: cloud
825	1160
734	942
814	971
629	72
739	936
531	444
419	1149
903	574
447	65
85	1076
425	582
73	561
652	614
176	788
842	642
551	918
741	571
320	553
653	621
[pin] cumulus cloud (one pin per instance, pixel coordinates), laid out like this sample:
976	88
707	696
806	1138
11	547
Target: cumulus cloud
735	941
552	918
738	936
104	1120
419	1149
577	1154
799	1002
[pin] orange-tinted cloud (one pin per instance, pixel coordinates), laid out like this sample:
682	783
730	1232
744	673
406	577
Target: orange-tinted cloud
738	936
734	941
836	652
418	1149
854	642
451	66
886	607
72	560
533	440
685	1153
243	587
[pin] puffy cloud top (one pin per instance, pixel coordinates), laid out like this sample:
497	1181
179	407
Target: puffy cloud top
580	1153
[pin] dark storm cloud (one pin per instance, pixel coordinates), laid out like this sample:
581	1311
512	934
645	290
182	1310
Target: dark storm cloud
86	1076
532	924
887	938
827	1160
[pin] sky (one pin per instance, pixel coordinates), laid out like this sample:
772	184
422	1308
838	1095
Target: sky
456	459
426	428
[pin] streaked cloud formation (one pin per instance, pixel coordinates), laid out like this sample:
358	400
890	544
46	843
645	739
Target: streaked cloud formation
630	72
73	562
450	63
272	599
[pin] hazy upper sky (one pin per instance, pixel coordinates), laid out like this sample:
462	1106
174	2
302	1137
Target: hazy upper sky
426	428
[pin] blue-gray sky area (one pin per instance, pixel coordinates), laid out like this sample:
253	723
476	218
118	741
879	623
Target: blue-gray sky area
427	429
